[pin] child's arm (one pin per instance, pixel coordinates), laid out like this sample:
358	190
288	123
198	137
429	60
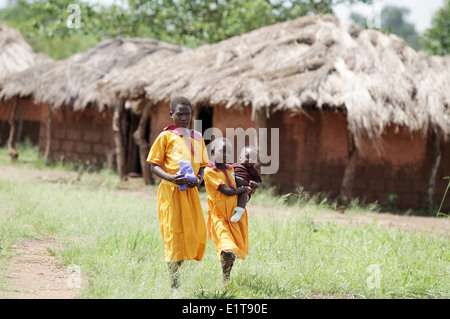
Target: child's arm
176	179
227	190
254	184
200	176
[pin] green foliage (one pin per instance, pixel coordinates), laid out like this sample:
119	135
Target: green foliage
393	20
436	39
189	23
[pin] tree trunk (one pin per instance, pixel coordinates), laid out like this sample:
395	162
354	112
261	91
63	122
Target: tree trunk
349	173
434	169
48	140
12	132
118	139
139	137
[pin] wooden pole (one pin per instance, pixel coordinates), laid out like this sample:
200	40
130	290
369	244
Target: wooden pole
118	139
260	117
139	137
20	122
349	173
437	156
13	154
48	140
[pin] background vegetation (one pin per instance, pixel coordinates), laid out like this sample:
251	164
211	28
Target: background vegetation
188	23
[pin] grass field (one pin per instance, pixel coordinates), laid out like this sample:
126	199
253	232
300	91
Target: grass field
113	236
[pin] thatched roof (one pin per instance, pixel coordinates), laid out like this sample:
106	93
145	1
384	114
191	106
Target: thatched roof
15	53
71	82
23	84
312	61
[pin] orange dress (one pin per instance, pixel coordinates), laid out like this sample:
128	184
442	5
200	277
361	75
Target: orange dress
181	219
228	236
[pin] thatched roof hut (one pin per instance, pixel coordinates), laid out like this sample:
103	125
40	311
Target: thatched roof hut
310	61
17	59
67	91
374	80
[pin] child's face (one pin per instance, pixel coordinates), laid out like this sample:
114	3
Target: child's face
248	157
221	152
181	115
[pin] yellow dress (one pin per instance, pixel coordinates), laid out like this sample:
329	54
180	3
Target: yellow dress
228	236
181	219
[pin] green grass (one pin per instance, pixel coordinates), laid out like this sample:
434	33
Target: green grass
115	240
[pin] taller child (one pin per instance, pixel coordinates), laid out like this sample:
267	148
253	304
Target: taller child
181	220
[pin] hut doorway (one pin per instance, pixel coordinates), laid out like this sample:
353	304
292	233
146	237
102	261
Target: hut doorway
205	115
134	167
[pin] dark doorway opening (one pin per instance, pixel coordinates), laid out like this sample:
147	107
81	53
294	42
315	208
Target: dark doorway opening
205	115
133	161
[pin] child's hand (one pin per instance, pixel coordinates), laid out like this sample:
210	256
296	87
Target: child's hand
253	184
248	189
179	179
193	184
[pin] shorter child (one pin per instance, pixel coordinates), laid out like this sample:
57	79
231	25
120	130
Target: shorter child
246	174
230	239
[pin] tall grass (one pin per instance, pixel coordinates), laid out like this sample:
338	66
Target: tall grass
115	240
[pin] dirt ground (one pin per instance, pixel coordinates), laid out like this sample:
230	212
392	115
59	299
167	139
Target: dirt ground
34	273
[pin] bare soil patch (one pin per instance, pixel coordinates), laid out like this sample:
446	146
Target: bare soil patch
35	274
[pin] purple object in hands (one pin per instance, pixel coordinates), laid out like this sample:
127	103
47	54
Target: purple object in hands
188	172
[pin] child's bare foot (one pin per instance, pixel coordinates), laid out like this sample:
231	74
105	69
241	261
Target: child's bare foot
238	214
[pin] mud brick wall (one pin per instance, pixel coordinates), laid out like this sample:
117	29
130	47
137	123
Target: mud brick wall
159	119
83	137
313	154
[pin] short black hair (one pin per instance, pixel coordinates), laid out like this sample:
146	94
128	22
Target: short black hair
181	100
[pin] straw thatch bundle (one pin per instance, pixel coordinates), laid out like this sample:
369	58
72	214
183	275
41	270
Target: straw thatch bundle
23	84
72	81
312	61
15	53
19	65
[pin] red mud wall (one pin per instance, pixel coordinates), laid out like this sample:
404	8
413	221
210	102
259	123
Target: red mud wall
160	118
313	154
85	137
312	149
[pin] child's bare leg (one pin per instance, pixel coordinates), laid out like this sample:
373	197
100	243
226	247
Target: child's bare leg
240	208
242	200
227	259
174	268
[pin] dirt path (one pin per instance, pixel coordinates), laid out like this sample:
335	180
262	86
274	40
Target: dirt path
34	273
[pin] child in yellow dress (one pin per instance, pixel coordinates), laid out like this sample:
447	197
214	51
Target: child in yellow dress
181	220
230	238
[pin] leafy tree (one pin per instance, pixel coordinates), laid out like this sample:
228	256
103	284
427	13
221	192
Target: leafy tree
44	25
393	21
436	40
186	22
